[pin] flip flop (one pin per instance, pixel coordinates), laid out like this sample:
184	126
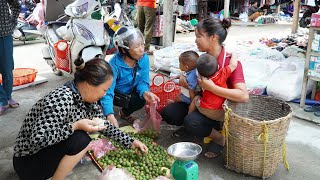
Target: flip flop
3	108
13	104
214	150
313	108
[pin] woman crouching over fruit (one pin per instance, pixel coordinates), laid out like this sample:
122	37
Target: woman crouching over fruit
53	137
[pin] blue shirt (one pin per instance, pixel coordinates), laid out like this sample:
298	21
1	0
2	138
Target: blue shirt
122	80
192	80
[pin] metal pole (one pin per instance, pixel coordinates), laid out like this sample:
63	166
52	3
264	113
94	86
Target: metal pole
167	23
226	8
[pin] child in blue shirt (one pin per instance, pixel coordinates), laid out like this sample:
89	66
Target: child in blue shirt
187	64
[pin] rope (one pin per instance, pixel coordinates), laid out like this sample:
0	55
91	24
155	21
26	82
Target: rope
226	133
264	137
284	156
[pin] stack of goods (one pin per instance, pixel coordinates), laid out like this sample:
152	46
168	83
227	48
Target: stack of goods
314	66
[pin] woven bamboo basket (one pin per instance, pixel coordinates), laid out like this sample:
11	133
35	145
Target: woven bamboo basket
255	134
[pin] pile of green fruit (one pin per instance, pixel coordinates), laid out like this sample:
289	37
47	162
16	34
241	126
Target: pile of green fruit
142	166
151	133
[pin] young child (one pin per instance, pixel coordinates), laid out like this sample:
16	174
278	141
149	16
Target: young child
210	104
187	64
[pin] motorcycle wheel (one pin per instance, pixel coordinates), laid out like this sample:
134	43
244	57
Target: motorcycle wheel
56	71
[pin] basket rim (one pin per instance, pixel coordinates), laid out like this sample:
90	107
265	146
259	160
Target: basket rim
289	115
34	72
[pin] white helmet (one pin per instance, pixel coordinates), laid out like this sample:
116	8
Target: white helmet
125	36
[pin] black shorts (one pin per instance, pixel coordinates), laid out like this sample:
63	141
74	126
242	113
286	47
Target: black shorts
44	163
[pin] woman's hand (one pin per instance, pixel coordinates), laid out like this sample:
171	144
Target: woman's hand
206	84
87	125
140	145
183	82
150	97
113	120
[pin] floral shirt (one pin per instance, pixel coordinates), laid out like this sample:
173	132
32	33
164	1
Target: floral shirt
9	12
49	121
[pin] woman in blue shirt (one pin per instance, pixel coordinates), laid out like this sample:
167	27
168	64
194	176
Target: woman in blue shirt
290	9
129	60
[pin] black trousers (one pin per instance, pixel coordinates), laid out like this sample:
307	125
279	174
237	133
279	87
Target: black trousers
136	103
43	164
195	123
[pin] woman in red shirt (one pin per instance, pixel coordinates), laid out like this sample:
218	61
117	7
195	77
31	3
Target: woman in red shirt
210	34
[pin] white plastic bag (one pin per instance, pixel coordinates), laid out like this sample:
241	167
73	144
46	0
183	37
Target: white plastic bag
113	173
257	74
243	17
286	82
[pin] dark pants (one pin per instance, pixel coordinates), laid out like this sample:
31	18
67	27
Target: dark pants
202	9
146	19
135	104
195	123
6	67
44	163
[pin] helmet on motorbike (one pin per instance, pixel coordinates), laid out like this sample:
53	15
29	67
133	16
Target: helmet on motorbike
125	36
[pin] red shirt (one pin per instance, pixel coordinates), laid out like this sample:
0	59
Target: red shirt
222	78
237	75
147	3
210	100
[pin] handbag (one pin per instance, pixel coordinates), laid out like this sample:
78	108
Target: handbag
122	100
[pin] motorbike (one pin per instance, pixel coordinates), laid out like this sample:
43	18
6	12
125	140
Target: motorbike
73	34
26	30
307	12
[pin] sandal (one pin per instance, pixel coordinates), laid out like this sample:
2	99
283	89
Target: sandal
129	118
13	104
313	108
317	113
214	150
3	108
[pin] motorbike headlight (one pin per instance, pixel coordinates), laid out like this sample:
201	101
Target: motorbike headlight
84	32
106	38
80	11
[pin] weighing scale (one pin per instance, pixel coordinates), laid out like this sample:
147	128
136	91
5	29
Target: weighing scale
184	168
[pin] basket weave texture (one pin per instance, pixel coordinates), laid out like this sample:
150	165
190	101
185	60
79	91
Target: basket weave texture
22	76
256	133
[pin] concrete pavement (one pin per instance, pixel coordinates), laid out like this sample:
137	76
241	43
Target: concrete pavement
303	140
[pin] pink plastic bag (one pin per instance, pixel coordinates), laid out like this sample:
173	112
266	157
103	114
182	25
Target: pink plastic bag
101	147
152	121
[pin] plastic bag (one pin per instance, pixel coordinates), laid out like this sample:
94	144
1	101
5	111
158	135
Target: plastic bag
113	173
257	74
286	82
37	16
243	17
152	122
101	147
